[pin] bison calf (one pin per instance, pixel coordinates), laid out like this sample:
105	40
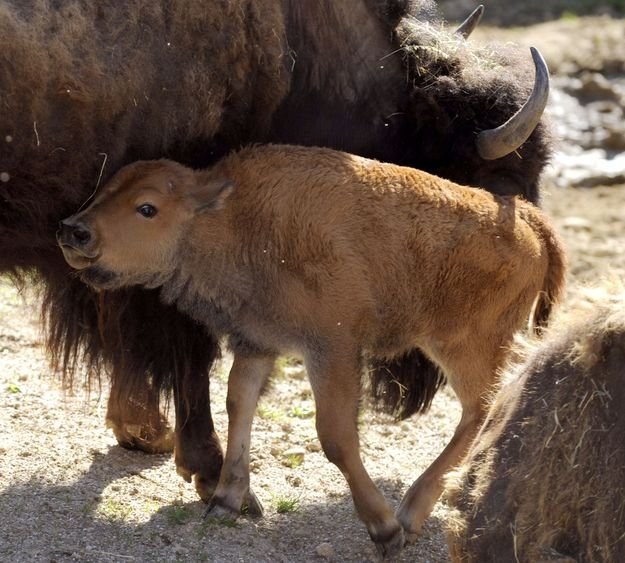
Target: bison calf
545	478
341	260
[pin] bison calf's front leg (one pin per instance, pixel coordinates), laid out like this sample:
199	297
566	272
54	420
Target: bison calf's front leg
247	378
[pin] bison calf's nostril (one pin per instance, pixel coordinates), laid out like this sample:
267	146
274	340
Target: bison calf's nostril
81	236
72	233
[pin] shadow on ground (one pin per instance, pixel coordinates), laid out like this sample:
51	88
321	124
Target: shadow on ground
70	519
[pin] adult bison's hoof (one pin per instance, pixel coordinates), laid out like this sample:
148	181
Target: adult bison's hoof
144	438
390	546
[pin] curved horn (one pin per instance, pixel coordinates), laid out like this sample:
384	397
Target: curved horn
501	141
467	26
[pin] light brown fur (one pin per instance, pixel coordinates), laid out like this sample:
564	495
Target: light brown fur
336	258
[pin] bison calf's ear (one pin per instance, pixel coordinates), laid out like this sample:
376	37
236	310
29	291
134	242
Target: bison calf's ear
211	196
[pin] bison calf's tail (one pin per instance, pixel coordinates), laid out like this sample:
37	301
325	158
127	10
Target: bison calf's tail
553	285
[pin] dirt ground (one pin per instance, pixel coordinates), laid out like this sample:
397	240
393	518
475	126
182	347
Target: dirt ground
69	493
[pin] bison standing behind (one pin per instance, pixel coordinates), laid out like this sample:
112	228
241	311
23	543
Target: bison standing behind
546	476
338	259
86	87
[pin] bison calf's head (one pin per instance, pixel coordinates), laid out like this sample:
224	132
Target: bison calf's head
130	234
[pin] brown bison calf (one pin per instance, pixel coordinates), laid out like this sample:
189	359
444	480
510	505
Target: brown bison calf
339	259
545	478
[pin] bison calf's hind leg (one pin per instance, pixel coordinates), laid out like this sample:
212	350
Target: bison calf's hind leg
247	378
471	370
336	386
135	419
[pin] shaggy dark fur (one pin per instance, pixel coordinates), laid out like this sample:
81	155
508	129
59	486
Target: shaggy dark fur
399	387
547	473
88	87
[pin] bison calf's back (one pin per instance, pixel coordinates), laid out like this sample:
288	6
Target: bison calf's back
336	258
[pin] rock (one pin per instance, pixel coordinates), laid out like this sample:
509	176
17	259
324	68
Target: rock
594	86
325	550
577	223
314	447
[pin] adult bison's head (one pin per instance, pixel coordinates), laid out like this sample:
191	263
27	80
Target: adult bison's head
131	233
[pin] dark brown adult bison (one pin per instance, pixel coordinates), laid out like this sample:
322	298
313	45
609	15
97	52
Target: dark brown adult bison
545	479
86	87
278	247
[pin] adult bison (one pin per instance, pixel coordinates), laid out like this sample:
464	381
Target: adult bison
87	87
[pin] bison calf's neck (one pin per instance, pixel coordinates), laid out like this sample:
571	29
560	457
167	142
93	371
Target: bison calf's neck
341	260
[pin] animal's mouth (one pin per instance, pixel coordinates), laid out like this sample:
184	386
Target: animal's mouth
79	259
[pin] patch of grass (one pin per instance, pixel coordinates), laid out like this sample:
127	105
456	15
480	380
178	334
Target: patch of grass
299	411
568	15
283	363
293	461
211	522
178	514
13	388
286	504
267	413
113	510
90	507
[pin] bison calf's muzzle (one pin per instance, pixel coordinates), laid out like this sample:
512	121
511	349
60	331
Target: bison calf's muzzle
279	249
77	241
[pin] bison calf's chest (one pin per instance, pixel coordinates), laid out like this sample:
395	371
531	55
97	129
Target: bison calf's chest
344	261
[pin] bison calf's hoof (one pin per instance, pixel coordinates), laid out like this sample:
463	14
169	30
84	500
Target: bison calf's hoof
218	510
389	547
252	506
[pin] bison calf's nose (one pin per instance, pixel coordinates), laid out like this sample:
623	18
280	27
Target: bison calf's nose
73	234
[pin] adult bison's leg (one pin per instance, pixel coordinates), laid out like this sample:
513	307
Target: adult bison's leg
198	454
136	419
164	352
152	349
95	333
149	349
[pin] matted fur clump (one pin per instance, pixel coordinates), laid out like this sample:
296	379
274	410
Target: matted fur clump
545	477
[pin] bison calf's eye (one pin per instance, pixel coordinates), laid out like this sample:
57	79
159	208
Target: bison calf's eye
147	210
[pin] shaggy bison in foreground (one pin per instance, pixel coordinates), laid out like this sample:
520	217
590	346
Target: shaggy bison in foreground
86	87
545	479
338	259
